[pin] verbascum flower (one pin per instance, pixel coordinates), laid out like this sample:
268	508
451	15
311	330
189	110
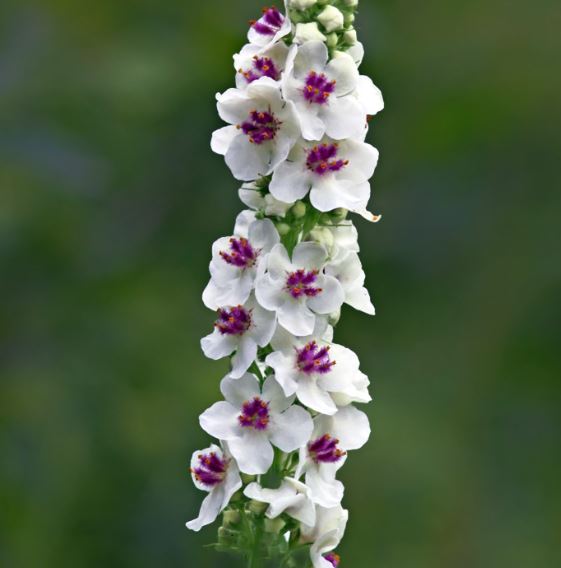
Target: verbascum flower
287	423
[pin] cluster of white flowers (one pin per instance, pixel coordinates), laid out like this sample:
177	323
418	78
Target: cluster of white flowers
297	123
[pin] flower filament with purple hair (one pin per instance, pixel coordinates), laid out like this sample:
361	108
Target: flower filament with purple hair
300	284
325	450
269	23
318	88
261	67
255	414
333	558
211	469
233	321
313	359
261	126
241	253
322	159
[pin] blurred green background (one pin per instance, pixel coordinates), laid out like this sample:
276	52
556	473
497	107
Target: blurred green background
111	198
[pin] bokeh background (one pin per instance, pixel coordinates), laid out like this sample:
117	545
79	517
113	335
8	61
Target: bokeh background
111	198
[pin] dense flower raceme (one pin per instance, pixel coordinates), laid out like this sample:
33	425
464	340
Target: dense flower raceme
296	137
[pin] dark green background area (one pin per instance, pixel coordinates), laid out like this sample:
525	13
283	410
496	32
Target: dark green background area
111	198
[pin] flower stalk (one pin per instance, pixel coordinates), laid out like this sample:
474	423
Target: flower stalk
297	122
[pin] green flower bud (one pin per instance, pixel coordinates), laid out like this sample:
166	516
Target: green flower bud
332	40
257	507
283	229
339	215
299	210
331	19
231	518
274	525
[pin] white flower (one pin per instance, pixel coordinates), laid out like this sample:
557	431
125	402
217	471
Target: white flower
347	269
333	436
337	238
302	4
315	370
335	174
251	196
254	62
331	19
215	471
235	264
298	289
308	32
250	420
322	92
241	329
269	28
355	391
369	96
326	535
292	498
350	37
264	129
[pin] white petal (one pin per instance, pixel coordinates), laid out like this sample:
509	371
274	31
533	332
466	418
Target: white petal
330	299
311	123
253	452
344	118
278	262
263	324
309	256
234	105
218	345
343	70
363	159
291	429
210	509
296	317
350	426
359	299
369	96
325	492
312	56
290	182
221	421
238	391
310	395
245	355
274	395
285	372
248	161
263	235
269	293
222	138
243	221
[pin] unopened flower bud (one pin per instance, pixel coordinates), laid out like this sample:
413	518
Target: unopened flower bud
350	37
299	209
334	317
323	236
351	3
349	19
274	525
257	507
331	19
283	229
227	537
332	40
302	4
308	32
231	518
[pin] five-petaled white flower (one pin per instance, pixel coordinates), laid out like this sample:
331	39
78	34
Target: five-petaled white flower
254	62
317	372
335	174
298	289
213	470
323	92
292	498
263	129
236	261
271	27
320	459
251	419
240	329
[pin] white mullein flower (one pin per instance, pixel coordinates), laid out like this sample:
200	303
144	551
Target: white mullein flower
292	498
333	436
322	91
331	19
213	470
326	535
297	289
334	173
252	420
251	196
240	329
236	261
347	269
308	32
263	129
317	371
254	62
271	27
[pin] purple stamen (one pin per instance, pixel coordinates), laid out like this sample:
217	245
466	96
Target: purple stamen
325	450
211	469
255	414
321	159
333	558
262	67
260	127
270	22
318	88
233	321
311	359
299	284
241	253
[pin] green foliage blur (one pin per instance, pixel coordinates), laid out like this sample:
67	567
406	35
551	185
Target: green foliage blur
111	198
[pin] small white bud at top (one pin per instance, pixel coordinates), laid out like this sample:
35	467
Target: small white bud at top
302	4
308	32
350	37
331	19
351	3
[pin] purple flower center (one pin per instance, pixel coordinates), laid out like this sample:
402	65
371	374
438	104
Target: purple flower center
255	414
335	559
260	126
325	450
233	321
269	23
211	469
313	359
318	88
300	283
261	67
241	253
323	159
